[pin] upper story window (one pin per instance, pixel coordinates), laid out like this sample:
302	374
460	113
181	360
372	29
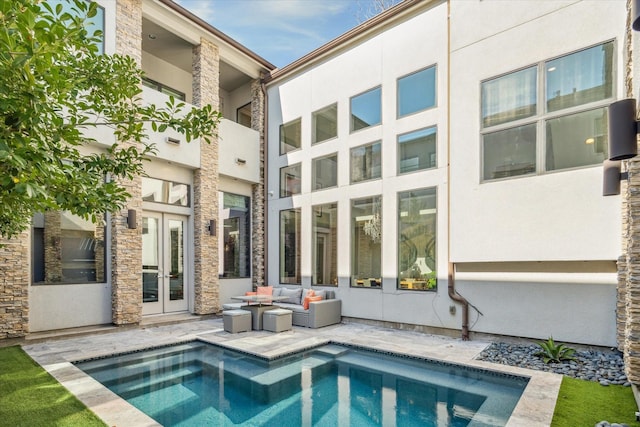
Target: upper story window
160	191
366	162
162	88
324	124
290	136
290	247
325	172
290	180
548	117
366	109
417	91
417	150
243	115
92	24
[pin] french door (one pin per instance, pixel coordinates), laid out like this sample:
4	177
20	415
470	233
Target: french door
164	263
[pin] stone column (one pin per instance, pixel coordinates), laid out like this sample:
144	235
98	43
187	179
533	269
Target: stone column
126	244
206	65
14	286
258	207
52	247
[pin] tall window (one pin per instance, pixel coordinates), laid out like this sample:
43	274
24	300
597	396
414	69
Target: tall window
417	91
290	136
325	124
417	150
325	245
290	246
236	235
417	239
366	239
243	115
554	111
366	109
366	162
325	172
67	249
290	180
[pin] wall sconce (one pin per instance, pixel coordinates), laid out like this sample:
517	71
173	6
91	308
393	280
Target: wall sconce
240	161
623	141
171	140
131	219
212	227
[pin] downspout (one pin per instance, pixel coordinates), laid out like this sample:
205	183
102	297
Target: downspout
265	171
453	294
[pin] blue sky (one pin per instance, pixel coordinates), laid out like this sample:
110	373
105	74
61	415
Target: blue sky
282	31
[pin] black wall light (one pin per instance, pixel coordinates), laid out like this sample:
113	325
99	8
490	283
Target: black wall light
623	141
212	227
131	219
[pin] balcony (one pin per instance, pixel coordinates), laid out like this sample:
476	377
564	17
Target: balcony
238	151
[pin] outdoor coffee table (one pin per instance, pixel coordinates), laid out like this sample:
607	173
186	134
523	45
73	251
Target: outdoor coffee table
261	303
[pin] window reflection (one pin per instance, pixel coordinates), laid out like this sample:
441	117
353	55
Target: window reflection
366	239
290	246
366	109
171	193
325	244
236	235
417	91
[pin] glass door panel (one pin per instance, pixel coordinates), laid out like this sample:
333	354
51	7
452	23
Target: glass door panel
175	262
151	268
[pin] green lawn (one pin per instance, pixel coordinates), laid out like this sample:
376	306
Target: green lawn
585	403
29	396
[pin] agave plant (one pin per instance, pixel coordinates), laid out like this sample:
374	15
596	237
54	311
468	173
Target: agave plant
552	352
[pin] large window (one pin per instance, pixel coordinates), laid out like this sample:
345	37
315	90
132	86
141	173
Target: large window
417	91
325	245
167	192
366	162
290	180
92	25
325	172
325	124
548	117
67	249
417	150
290	246
417	239
366	239
236	235
290	136
366	109
163	88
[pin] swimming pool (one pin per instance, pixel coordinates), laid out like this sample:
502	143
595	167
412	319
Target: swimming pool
198	384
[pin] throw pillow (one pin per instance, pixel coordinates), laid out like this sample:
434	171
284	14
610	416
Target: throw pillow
293	294
250	293
321	293
265	290
277	292
309	299
307	293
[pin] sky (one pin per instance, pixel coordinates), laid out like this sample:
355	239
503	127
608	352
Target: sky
282	31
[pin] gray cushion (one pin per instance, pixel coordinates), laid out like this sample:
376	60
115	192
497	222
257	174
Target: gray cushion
322	294
293	307
277	292
293	294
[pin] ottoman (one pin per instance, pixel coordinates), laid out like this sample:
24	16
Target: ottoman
276	320
236	320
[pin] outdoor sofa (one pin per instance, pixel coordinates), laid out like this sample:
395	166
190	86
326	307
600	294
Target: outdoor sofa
324	308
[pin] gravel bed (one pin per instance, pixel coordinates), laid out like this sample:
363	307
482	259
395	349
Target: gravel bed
603	366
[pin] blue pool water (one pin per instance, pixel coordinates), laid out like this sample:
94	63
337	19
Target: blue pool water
199	384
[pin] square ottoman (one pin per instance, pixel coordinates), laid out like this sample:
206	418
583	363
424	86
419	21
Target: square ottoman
277	320
236	320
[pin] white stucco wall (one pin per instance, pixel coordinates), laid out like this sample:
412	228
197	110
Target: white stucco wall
541	222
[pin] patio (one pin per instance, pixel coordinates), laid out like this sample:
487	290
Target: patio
56	353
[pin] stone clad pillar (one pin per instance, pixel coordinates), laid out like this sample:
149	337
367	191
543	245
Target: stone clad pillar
258	207
126	244
14	286
52	247
206	65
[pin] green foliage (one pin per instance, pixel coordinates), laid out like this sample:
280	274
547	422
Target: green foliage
54	88
585	403
29	396
552	352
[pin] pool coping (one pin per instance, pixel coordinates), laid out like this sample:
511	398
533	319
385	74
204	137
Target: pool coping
535	407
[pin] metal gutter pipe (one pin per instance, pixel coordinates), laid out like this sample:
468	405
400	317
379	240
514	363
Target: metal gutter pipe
265	171
451	288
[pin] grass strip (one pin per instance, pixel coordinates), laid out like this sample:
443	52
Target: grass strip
586	403
29	396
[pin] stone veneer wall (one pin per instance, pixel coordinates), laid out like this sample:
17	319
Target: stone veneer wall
126	244
14	286
258	236
206	65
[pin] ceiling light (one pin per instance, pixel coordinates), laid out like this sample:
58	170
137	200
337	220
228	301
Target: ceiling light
152	36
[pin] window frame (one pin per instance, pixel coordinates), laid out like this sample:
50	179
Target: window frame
398	145
281	247
280	133
222	274
353	281
351	127
239	110
314	169
282	188
542	116
314	114
435	91
351	181
319	211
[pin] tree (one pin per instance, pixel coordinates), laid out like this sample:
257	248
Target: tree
367	9
54	84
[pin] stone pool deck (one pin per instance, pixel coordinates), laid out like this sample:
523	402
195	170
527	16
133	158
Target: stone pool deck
55	353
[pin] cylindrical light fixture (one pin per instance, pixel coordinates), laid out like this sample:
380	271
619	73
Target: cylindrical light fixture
611	177
131	219
623	130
